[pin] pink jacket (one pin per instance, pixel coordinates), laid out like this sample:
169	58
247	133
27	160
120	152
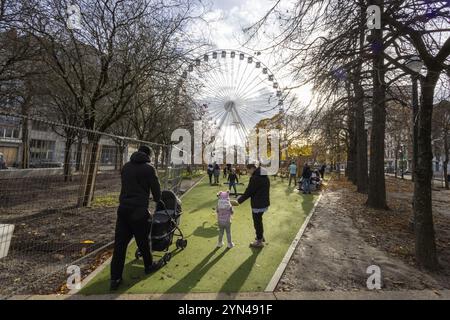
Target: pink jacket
224	209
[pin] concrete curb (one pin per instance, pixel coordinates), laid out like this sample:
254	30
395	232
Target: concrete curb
287	257
100	268
293	295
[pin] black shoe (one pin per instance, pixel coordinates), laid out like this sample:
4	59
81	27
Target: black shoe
114	284
155	267
263	239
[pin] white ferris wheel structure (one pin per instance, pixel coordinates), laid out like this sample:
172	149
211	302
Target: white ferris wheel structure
234	91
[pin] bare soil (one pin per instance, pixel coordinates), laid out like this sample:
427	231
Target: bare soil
345	237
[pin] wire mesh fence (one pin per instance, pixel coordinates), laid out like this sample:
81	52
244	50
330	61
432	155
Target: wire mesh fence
59	190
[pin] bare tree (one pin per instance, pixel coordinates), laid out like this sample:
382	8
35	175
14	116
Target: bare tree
106	63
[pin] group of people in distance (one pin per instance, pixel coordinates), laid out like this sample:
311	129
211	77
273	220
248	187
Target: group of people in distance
230	173
310	179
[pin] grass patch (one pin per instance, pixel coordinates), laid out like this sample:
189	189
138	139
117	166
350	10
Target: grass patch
106	201
203	268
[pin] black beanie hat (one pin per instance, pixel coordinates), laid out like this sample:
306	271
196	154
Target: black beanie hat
145	150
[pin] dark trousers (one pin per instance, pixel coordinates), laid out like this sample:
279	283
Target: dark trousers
258	224
130	222
232	185
292	177
210	178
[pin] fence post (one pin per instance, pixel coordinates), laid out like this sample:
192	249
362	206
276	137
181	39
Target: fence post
90	168
166	177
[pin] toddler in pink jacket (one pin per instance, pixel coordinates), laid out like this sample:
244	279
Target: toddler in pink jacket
224	212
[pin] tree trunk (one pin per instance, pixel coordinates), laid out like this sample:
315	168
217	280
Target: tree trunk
351	151
377	188
67	158
361	140
79	154
360	120
122	152
423	216
90	173
396	160
415	111
157	151
25	161
446	147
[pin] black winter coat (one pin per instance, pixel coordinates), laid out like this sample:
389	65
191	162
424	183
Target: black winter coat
307	173
258	190
139	178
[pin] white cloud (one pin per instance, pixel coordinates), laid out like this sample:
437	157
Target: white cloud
226	20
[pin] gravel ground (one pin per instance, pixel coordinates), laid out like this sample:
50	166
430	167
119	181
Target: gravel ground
344	237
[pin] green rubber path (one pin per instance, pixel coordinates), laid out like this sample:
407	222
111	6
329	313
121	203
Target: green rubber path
203	268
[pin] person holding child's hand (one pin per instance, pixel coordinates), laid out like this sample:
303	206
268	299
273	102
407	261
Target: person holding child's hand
258	190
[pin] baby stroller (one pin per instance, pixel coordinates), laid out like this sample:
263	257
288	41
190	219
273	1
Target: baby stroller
164	225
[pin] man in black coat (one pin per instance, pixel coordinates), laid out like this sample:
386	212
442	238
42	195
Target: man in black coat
139	178
258	190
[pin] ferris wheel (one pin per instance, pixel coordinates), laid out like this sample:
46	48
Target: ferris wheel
234	91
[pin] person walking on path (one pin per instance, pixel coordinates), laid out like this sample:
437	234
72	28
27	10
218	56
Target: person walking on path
139	178
258	190
216	173
306	179
292	173
322	170
210	172
233	181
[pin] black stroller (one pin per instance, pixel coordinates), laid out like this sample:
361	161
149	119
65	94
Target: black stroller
164	225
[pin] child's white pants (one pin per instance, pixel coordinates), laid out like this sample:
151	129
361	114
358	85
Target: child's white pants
225	227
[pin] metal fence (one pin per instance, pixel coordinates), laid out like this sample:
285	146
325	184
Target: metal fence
59	188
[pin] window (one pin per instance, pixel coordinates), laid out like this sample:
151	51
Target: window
40	126
42	150
9	132
108	156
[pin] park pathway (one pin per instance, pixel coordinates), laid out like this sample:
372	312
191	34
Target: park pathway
203	268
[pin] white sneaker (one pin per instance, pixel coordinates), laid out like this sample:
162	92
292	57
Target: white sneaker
230	245
219	244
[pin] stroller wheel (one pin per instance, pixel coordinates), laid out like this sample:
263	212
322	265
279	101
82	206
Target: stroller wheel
137	254
181	243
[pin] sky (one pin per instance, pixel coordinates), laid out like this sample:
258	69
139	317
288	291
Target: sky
226	20
228	17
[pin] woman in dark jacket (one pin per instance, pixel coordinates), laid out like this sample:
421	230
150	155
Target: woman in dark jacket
216	173
258	190
306	179
210	172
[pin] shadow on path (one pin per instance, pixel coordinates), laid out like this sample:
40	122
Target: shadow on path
189	281
206	232
237	279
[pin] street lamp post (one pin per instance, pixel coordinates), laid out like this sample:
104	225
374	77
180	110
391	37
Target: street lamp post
415	64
